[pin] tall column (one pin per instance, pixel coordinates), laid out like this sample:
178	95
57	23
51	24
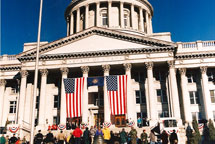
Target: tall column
107	113
141	19
122	15
78	20
97	13
185	95
206	94
67	22
2	90
153	115
44	73
86	16
71	23
64	72
109	13
150	25
131	105
85	70
21	110
132	16
174	91
147	23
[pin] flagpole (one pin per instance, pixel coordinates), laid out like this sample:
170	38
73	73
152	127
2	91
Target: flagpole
36	76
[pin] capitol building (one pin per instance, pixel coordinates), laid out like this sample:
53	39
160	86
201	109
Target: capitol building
104	38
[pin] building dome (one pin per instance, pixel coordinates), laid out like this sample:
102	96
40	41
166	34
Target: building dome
123	15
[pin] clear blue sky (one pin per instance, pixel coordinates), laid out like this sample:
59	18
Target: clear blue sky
187	20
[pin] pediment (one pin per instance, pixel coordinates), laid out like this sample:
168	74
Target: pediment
95	43
94	40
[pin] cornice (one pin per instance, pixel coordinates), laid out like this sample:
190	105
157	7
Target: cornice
195	55
101	32
99	53
10	68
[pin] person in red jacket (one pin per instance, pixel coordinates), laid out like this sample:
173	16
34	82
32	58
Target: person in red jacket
77	134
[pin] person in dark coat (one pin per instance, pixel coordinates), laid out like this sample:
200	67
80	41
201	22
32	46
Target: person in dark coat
86	136
164	137
173	138
144	137
50	137
123	137
13	139
39	137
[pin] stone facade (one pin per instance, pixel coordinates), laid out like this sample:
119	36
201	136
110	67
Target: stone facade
165	79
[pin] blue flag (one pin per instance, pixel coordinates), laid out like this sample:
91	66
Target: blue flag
95	81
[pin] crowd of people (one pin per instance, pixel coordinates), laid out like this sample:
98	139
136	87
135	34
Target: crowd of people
95	135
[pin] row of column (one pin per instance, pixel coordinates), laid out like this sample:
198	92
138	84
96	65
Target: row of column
121	16
151	99
205	93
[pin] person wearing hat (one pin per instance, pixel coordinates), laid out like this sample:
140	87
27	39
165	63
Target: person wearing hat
144	137
39	137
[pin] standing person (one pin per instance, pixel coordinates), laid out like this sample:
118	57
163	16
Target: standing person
152	137
38	137
144	137
2	139
92	133
50	137
86	136
61	137
18	141
133	134
77	134
164	137
139	121
7	139
123	137
98	136
13	139
173	138
106	134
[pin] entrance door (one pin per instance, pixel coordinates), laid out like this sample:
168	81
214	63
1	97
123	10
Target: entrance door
120	121
99	119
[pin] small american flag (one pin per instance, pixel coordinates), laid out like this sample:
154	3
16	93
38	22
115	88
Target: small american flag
117	93
74	92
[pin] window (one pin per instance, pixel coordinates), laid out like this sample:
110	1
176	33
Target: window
191	78
162	114
138	76
211	75
55	120
56	101
37	102
12	107
160	75
140	97
212	93
126	20
161	95
197	115
170	123
104	19
194	97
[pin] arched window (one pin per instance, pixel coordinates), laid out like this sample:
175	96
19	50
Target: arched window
104	17
126	18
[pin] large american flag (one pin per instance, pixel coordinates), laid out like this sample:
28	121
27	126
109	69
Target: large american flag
117	93
74	93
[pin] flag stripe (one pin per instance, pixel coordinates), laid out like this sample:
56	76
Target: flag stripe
74	91
66	105
117	92
120	93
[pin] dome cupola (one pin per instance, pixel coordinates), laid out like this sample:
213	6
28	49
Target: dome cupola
123	15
